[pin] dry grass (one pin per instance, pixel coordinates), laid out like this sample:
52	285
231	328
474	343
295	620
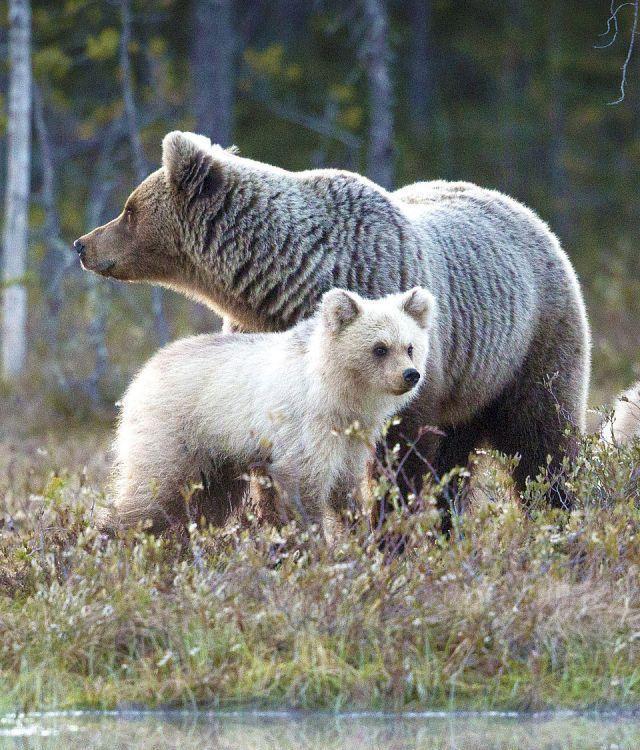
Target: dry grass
512	612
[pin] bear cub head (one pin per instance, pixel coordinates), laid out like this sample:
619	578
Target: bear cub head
375	347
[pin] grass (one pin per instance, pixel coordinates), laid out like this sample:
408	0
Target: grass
513	612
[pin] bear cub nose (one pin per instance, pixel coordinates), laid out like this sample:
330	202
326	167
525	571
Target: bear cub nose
411	376
79	248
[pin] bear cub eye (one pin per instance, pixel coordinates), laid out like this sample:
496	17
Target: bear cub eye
410	350
380	350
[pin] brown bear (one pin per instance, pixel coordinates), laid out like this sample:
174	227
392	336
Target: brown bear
304	404
260	245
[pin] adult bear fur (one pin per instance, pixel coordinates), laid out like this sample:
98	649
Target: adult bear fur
260	245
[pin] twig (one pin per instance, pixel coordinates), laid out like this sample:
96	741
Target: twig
316	124
613	21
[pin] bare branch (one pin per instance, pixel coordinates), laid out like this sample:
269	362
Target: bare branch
140	164
612	22
317	125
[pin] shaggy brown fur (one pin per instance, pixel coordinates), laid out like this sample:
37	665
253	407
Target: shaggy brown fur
260	245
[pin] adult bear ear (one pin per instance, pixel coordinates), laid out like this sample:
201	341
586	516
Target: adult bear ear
189	163
419	304
339	308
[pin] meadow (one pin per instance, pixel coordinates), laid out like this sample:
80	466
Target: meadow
515	611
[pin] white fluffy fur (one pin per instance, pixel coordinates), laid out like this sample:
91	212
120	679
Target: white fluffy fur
625	424
207	403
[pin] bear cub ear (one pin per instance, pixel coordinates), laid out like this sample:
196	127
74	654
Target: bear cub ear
419	304
339	308
189	163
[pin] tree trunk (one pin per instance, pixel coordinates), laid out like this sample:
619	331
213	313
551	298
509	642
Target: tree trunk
375	55
97	292
515	81
421	73
14	321
290	21
139	161
557	127
213	69
57	257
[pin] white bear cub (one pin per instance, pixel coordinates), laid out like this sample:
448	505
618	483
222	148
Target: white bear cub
206	410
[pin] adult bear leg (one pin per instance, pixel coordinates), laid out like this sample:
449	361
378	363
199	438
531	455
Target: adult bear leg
542	413
455	447
426	450
222	490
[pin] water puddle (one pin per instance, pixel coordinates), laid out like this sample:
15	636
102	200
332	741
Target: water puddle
295	731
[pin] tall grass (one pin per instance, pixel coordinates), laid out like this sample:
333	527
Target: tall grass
513	611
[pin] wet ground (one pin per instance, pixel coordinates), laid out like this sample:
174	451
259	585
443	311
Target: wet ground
287	731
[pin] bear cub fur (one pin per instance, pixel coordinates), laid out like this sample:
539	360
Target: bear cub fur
206	410
625	424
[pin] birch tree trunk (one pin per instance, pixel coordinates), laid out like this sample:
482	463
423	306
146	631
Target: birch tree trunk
14	308
139	162
214	69
376	58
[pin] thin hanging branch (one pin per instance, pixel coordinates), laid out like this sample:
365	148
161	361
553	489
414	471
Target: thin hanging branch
612	24
613	29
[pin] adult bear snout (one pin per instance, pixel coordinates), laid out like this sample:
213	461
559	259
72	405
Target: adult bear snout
80	248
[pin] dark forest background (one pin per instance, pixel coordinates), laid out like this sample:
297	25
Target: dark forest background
512	95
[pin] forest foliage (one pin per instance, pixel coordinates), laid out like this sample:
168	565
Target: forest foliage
511	95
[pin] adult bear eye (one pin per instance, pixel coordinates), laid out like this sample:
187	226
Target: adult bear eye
410	350
380	350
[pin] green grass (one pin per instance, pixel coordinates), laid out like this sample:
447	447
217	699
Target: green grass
512	612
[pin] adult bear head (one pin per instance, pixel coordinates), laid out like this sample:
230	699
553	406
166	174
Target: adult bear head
163	220
256	243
